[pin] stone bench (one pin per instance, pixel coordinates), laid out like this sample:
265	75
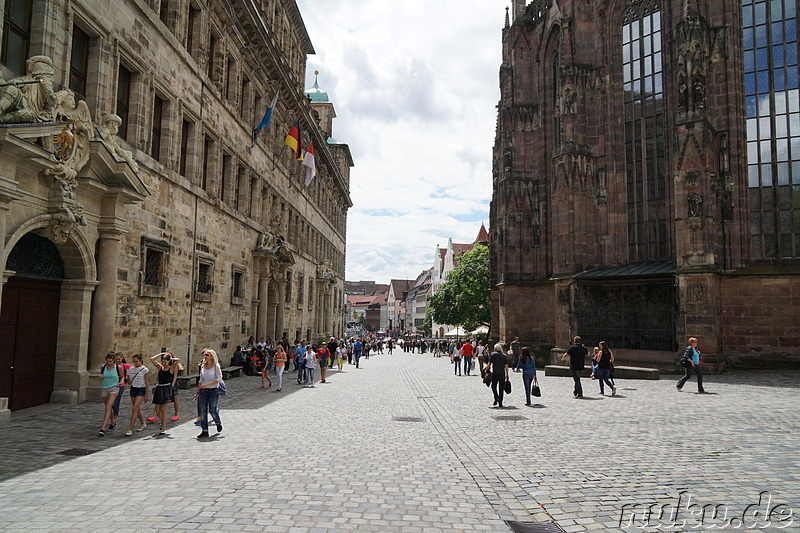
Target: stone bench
231	372
187	382
620	372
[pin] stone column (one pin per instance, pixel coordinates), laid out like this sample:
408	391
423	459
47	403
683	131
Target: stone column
3	210
279	310
104	309
263	296
72	383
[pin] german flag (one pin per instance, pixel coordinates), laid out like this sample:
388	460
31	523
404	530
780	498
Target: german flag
293	141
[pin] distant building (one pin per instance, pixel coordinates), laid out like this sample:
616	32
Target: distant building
398	288
646	176
444	261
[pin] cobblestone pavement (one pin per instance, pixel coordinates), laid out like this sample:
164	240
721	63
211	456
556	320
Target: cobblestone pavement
403	445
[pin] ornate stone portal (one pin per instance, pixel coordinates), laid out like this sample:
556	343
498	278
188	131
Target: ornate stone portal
30	99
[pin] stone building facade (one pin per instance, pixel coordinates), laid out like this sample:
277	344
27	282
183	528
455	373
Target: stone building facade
647	178
167	225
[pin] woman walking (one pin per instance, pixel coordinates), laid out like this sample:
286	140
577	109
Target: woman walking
457	358
692	355
113	378
119	360
265	368
208	391
322	356
528	367
167	366
341	352
604	360
140	383
280	365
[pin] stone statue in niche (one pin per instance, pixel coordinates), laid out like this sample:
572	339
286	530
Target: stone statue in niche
29	98
269	243
727	206
108	132
695	204
699	95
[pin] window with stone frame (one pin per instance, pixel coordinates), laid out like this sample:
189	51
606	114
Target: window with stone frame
153	273
159	106
16	34
209	152
288	295
163	11
125	80
772	106
79	62
192	25
187	142
649	237
204	279
230	79
301	287
226	187
310	293
237	285
213	58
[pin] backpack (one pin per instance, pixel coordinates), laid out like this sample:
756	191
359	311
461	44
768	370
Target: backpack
683	361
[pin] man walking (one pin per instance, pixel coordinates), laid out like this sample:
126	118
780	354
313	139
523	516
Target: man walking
498	364
516	349
577	353
300	360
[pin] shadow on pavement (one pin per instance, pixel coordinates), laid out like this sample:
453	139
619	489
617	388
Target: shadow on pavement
41	440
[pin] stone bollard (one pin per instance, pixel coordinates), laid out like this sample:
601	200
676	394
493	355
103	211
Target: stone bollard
5	414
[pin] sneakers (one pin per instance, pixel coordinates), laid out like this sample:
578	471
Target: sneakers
203	435
112	426
141	427
129	433
162	432
613	391
197	421
278	390
152	420
102	433
176	418
678	387
219	428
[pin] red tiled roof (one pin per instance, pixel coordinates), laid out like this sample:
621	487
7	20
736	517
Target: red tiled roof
483	235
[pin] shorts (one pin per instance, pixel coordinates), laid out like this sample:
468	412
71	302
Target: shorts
138	391
105	393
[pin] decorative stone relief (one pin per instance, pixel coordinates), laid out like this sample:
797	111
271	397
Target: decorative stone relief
696	291
325	272
690	179
108	131
695	210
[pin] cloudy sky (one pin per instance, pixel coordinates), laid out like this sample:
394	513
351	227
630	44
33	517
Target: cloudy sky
414	85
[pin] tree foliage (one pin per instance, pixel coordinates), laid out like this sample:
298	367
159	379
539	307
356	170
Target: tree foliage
464	298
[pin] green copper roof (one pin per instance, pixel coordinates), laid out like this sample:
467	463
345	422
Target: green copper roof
315	93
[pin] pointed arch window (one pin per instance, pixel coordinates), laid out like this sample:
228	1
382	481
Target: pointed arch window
649	238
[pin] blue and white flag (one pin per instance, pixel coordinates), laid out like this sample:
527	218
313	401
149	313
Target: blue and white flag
267	116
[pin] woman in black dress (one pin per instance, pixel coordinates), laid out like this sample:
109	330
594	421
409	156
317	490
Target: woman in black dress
167	367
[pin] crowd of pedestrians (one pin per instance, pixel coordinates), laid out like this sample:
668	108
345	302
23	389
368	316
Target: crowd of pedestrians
264	357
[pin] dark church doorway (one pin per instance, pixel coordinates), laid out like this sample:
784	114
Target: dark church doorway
29	322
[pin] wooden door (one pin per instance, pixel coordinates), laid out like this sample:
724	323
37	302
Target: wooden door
29	332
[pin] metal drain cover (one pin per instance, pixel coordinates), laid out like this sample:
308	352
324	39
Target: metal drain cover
510	417
76	452
407	419
534	527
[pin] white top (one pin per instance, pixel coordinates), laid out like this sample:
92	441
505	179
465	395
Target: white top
311	359
480	349
457	352
207	375
136	373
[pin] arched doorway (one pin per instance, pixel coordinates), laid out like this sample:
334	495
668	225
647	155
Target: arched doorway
29	322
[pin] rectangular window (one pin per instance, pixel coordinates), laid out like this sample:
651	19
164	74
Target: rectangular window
310	293
213	44
237	188
205	278
208	146
153	274
237	285
288	295
163	11
191	22
301	287
244	100
16	34
230	80
186	133
158	118
227	188
79	63
123	99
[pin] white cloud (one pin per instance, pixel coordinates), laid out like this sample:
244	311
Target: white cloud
415	86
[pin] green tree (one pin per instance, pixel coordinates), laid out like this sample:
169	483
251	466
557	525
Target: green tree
464	298
427	324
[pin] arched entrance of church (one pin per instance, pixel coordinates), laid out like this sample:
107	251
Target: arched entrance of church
29	321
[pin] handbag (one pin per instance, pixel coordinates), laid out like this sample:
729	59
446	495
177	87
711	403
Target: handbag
536	390
223	389
508	387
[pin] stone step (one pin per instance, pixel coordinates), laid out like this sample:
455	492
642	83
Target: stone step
620	372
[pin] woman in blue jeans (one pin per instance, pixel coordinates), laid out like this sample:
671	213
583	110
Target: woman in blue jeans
604	360
528	367
208	391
